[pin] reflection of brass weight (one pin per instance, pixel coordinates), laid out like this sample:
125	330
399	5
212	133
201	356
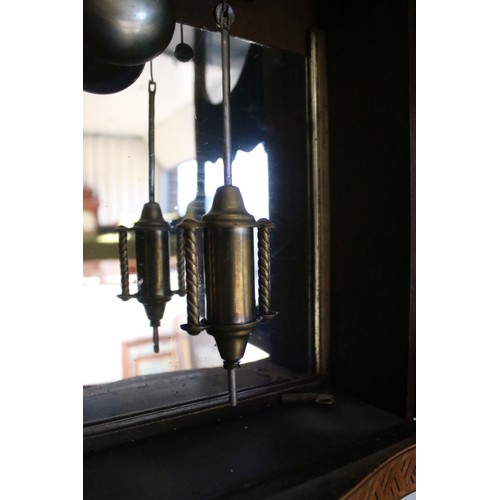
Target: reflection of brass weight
152	246
228	238
153	264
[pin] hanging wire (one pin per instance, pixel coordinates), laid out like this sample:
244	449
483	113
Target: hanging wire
151	134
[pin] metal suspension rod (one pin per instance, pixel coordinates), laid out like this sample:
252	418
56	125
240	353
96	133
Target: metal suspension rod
231	383
151	136
225	17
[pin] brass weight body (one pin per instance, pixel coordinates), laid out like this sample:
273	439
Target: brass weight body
153	262
152	233
228	235
228	256
229	273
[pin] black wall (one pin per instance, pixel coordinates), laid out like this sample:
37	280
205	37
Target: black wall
368	72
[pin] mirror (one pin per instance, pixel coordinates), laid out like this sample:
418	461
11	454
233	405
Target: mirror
270	166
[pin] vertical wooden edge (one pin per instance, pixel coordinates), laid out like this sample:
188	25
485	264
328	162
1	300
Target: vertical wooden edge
411	390
320	191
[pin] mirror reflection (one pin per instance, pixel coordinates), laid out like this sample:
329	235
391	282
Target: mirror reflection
188	151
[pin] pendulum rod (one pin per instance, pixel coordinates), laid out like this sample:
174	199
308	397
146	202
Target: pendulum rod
151	135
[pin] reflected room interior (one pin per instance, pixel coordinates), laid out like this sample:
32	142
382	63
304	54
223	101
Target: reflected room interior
188	150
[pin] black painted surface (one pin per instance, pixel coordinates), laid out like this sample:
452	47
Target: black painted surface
368	90
248	456
144	393
290	333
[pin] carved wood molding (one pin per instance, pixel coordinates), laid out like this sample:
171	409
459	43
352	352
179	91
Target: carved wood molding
392	480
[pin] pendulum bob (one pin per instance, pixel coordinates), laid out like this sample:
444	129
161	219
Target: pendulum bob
183	52
153	264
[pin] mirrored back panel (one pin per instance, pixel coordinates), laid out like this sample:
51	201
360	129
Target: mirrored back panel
271	167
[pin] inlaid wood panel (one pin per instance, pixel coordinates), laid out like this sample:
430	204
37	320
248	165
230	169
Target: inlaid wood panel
393	480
